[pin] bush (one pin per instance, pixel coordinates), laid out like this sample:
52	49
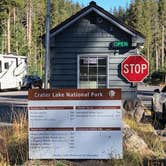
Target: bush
18	151
156	78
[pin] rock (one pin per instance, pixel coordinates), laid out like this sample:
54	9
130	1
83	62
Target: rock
134	109
132	142
129	108
139	113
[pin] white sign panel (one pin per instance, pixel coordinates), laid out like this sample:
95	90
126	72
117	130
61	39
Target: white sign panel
75	124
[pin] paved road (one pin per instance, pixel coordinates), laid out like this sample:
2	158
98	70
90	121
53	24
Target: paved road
13	97
12	102
14	94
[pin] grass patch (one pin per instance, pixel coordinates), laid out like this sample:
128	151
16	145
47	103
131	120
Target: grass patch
129	159
16	138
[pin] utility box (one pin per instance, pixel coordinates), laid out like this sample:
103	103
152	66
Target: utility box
87	49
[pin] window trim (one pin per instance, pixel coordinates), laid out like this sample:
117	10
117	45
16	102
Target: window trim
91	55
6	65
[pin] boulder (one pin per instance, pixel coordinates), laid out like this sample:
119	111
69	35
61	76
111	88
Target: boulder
133	143
138	113
134	109
128	108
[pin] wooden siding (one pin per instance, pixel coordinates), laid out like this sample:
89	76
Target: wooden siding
85	37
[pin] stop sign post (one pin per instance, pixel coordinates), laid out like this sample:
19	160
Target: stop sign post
135	68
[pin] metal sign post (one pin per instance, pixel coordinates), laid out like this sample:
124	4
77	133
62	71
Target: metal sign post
47	44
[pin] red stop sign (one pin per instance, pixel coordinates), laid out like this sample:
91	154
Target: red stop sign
135	68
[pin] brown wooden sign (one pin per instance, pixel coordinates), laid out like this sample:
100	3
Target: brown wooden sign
74	94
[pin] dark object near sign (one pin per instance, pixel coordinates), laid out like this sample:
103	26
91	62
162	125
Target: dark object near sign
31	81
159	106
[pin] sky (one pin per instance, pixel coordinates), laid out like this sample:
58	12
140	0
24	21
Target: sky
106	4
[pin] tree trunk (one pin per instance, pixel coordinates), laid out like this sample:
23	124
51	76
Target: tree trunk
159	53
35	58
30	27
148	52
14	18
157	58
3	46
8	33
41	56
29	32
162	47
17	52
5	41
27	19
14	22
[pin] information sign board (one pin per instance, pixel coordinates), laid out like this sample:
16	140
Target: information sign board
75	124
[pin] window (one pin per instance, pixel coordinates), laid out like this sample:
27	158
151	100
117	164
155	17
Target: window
17	62
6	65
92	72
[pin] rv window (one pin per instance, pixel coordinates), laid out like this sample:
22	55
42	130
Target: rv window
17	62
0	66
6	65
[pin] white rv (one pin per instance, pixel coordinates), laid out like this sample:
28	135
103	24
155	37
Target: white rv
12	69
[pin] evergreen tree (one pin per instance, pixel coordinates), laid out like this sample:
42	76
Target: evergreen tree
149	17
162	14
115	12
131	14
155	35
23	22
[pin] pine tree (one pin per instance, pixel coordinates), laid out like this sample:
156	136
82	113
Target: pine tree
23	22
149	17
115	12
155	33
162	13
131	15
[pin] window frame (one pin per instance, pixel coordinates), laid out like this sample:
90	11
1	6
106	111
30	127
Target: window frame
6	65
92	55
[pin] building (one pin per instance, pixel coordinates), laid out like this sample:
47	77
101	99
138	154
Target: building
87	49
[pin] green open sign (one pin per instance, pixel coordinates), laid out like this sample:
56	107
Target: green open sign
120	44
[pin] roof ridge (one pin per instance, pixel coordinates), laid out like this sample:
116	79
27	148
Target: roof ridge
93	5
